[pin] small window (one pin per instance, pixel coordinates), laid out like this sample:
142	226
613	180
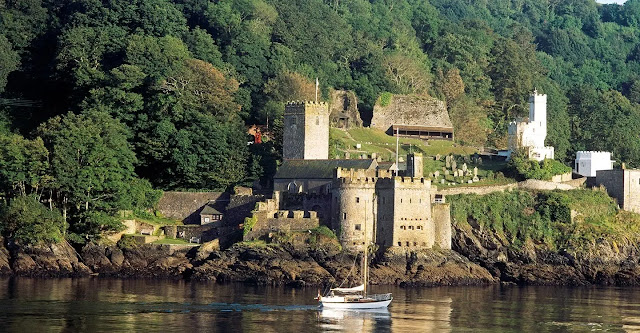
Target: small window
419	227
206	219
399	243
415	243
409	200
406	243
400	200
358	227
344	216
357	200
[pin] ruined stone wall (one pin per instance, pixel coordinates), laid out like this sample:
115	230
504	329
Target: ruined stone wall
344	110
411	110
281	221
441	214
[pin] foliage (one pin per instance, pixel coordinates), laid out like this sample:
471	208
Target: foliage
546	217
249	222
532	169
385	98
29	222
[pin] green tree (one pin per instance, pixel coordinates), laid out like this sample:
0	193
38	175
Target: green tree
9	61
28	221
91	161
23	166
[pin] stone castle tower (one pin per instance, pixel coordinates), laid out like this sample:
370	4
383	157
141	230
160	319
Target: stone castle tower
392	211
306	131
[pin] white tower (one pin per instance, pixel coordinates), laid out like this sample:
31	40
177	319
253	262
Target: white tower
538	118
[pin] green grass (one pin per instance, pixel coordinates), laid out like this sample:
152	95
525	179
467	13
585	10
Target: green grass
175	241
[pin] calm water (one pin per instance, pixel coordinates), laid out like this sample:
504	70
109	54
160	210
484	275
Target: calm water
101	305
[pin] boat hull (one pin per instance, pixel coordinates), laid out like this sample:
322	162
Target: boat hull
356	305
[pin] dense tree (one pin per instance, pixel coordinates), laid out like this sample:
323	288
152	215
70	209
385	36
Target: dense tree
9	61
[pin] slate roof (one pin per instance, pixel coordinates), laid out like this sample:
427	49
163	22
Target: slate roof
209	210
319	169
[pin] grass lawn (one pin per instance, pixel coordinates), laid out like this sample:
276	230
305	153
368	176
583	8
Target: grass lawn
376	141
173	241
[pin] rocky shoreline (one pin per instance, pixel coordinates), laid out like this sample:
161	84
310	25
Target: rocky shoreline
478	257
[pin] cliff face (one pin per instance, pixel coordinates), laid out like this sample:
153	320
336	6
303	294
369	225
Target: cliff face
598	263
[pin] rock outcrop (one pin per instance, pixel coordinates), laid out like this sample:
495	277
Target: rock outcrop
479	257
598	263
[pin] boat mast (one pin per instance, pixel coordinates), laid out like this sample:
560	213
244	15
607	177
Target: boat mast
366	248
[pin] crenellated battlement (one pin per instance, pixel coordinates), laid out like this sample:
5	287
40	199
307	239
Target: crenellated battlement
305	103
377	178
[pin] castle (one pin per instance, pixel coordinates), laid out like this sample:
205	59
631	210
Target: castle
530	133
352	197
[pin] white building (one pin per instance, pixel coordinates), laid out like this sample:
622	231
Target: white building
588	162
530	133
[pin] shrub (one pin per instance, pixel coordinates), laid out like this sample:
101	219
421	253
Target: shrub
29	222
385	98
526	168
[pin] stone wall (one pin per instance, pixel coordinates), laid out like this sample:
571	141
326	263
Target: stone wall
186	206
281	221
623	185
344	110
541	185
565	177
411	110
480	190
441	214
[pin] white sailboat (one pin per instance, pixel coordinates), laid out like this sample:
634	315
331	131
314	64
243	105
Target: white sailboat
356	297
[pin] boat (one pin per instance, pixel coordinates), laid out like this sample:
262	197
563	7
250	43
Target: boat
356	297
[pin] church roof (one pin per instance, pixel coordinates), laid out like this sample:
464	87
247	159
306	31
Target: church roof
319	169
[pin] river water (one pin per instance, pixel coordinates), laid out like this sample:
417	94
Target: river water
110	305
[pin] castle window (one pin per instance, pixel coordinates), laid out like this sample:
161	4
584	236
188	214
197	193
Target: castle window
358	227
419	227
399	243
406	243
415	243
357	200
344	216
411	227
409	200
400	200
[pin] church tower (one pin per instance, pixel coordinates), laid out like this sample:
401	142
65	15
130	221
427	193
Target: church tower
306	131
538	118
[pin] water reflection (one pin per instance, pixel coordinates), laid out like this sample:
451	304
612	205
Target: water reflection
92	304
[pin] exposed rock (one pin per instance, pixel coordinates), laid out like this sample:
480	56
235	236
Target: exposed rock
535	264
54	260
344	110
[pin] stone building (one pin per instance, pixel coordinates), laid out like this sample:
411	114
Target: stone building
419	117
393	211
589	162
344	110
623	185
306	131
530	133
210	214
313	176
